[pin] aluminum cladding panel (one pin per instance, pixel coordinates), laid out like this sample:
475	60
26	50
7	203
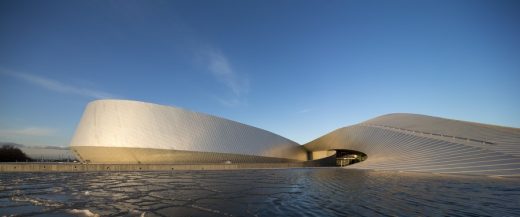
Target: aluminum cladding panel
407	142
122	123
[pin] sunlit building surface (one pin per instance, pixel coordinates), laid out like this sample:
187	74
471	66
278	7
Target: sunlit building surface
121	131
408	142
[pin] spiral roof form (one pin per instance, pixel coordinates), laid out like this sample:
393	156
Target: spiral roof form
122	131
410	142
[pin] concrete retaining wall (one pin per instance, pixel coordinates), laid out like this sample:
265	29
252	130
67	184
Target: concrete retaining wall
74	167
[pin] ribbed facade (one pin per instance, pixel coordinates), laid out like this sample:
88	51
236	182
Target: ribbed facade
408	142
121	131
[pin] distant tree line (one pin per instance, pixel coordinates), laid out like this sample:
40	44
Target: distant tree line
10	153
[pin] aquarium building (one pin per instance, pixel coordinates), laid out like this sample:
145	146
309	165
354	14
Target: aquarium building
131	132
121	131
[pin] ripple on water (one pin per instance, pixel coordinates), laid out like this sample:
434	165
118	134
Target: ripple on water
296	192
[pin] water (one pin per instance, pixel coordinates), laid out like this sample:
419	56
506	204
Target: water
274	192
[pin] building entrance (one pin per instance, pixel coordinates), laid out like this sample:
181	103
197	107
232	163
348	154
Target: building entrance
347	157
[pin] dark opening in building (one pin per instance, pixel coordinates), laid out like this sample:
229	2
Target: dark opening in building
346	157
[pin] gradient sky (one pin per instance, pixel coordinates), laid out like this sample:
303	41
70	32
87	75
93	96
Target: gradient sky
296	68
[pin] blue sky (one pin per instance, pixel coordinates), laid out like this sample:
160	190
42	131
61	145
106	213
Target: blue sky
296	68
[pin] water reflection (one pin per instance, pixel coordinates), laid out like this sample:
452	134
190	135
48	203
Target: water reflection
275	192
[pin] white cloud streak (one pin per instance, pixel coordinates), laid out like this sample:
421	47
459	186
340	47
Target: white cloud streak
30	131
233	102
220	67
304	111
57	86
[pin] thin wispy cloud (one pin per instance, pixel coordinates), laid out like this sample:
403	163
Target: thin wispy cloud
29	131
58	86
304	111
232	102
220	67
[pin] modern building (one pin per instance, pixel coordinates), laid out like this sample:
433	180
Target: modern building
121	131
409	142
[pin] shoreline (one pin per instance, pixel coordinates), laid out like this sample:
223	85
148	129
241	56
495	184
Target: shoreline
77	167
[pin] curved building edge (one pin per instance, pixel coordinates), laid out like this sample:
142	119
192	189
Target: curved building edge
123	131
419	143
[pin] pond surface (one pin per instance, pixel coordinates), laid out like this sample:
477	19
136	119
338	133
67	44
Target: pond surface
269	192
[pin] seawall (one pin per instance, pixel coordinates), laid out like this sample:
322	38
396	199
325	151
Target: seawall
76	167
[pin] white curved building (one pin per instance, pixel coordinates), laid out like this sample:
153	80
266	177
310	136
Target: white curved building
408	142
121	131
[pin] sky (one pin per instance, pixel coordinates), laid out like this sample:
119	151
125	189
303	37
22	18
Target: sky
297	68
